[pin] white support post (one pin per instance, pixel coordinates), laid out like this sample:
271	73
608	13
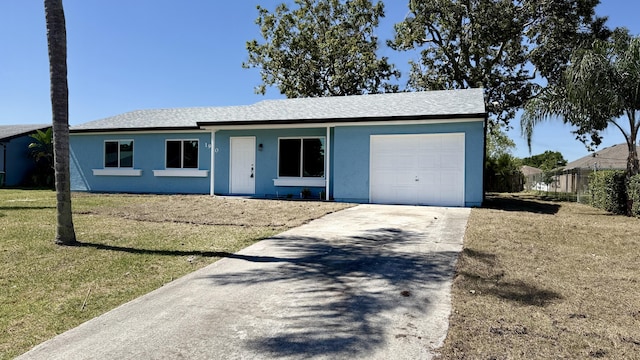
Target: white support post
212	172
327	155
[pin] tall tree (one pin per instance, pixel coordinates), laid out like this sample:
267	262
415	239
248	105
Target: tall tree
498	142
546	161
57	44
321	48
600	88
505	46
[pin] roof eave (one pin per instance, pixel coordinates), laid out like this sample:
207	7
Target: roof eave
341	120
202	124
9	138
129	129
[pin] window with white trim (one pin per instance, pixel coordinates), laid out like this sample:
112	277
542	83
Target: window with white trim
181	154
301	157
118	154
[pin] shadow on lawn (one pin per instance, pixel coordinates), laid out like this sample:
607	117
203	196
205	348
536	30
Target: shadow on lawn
517	204
5	208
488	279
339	292
221	254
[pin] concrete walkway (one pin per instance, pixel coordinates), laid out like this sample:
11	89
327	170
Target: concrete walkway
369	282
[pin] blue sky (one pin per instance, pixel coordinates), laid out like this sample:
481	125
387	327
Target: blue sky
125	55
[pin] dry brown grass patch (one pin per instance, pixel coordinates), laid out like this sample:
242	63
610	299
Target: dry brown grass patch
540	280
207	210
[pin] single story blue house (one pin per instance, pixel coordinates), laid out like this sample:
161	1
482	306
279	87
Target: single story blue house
15	162
424	148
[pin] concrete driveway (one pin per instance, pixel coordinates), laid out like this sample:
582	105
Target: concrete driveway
369	282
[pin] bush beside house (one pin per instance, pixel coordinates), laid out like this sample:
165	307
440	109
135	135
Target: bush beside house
610	192
633	192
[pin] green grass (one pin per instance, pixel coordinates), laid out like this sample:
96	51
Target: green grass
130	246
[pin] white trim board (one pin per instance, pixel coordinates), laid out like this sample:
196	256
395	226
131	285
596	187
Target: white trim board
116	172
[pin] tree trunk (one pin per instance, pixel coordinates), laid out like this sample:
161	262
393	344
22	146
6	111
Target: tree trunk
633	165
57	44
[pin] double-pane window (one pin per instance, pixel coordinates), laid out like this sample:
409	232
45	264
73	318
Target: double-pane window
182	154
118	154
301	157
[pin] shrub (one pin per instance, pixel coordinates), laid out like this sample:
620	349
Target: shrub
608	192
633	192
503	174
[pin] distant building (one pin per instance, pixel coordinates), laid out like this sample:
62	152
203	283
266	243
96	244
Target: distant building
15	163
574	176
534	178
610	158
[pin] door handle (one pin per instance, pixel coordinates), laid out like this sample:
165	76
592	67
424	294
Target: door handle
251	171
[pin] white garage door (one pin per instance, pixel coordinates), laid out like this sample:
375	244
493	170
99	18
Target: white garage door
422	169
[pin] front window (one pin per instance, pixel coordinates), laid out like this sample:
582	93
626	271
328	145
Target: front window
118	154
182	154
301	157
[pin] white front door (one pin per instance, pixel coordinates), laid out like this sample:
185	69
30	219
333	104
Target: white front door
243	165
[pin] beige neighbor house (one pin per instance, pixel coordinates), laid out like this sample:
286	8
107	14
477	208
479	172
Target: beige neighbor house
574	177
534	178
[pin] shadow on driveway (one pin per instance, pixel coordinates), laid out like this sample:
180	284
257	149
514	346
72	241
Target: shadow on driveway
369	282
340	292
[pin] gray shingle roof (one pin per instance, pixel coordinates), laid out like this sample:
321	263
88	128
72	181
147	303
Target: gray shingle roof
8	132
443	104
612	157
530	170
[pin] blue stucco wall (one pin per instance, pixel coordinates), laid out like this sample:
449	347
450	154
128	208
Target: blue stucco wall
266	160
351	165
87	153
349	173
19	165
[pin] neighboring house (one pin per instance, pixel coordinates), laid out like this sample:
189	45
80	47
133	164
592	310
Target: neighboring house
15	163
534	178
574	177
401	148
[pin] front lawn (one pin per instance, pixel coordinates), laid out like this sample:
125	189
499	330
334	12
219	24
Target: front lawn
546	280
130	245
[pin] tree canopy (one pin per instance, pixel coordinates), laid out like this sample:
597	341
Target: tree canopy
41	151
321	48
505	46
498	142
546	161
601	87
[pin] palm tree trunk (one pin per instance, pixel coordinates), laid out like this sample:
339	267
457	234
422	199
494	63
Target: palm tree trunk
57	44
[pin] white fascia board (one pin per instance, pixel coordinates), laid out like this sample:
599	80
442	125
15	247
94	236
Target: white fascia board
140	131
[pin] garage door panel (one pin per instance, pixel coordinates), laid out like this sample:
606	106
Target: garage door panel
425	169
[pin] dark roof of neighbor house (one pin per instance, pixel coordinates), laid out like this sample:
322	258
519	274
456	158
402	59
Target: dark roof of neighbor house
530	170
465	103
8	132
612	157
